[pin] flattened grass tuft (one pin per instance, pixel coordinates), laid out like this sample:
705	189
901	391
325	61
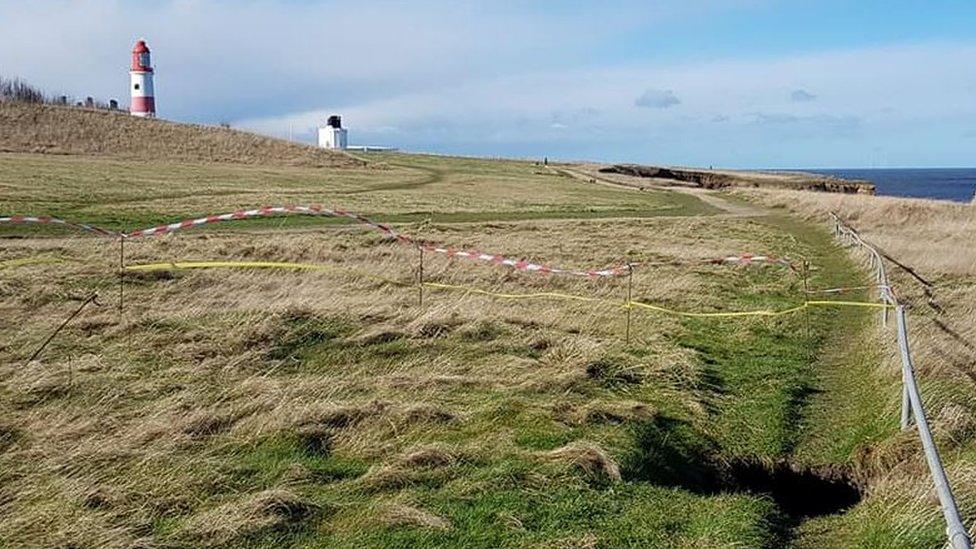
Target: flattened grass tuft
407	515
260	513
588	457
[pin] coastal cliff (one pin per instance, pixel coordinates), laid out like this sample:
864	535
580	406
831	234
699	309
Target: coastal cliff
717	179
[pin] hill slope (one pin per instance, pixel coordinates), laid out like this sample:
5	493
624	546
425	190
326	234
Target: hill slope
69	130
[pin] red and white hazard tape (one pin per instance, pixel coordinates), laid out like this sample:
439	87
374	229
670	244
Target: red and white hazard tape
525	265
385	229
47	220
847	289
746	259
257	212
316	209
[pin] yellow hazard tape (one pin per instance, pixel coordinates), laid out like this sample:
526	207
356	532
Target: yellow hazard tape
850	304
28	261
729	314
228	264
479	291
258	265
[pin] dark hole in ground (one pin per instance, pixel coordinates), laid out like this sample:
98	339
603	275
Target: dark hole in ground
800	494
672	453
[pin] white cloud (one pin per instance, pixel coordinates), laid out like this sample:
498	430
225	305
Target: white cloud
801	96
495	78
217	58
915	79
657	99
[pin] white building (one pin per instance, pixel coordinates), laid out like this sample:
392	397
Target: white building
333	135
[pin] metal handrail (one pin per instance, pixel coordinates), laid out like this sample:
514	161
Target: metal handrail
911	398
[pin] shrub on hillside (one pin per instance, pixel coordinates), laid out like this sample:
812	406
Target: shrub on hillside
19	90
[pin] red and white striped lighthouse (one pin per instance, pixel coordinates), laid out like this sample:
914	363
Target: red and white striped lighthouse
141	77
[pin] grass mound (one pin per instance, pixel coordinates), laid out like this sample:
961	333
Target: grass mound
266	512
53	129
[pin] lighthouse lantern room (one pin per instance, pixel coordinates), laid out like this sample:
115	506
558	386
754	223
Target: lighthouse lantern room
141	82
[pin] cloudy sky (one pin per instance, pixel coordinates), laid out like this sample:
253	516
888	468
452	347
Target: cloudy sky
747	83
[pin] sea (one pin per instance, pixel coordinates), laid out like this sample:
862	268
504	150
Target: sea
957	184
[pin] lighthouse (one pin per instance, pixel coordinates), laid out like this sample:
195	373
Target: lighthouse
333	135
141	82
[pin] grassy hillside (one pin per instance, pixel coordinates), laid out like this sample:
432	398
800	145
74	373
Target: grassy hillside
53	129
327	407
935	276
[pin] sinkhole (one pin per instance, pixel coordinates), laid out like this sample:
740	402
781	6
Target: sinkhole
671	452
799	493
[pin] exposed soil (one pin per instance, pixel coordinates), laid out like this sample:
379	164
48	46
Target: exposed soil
672	453
714	179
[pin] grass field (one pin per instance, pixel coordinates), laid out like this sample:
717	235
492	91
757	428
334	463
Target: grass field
250	407
128	194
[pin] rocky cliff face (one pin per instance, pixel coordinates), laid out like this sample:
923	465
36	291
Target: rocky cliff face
714	179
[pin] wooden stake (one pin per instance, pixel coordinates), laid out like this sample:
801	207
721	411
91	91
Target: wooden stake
420	277
806	273
121	273
806	296
630	293
91	299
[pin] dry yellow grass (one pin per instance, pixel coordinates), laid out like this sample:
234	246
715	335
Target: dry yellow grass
198	364
129	194
69	130
933	236
587	456
937	241
261	407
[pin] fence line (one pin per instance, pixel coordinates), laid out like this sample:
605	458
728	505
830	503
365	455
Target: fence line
621	270
626	304
912	409
48	220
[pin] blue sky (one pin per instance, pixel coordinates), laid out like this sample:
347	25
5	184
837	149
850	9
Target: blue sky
748	83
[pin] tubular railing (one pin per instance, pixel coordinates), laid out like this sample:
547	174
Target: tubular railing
911	406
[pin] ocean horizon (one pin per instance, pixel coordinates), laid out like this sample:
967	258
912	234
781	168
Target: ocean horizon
956	184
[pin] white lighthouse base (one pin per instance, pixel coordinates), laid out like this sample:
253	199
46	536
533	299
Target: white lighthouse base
333	138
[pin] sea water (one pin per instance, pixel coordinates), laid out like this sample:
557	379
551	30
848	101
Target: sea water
958	184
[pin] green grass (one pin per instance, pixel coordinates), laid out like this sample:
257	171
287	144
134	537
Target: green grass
710	392
760	379
125	195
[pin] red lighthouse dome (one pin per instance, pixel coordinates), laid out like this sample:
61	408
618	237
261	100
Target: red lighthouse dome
140	57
